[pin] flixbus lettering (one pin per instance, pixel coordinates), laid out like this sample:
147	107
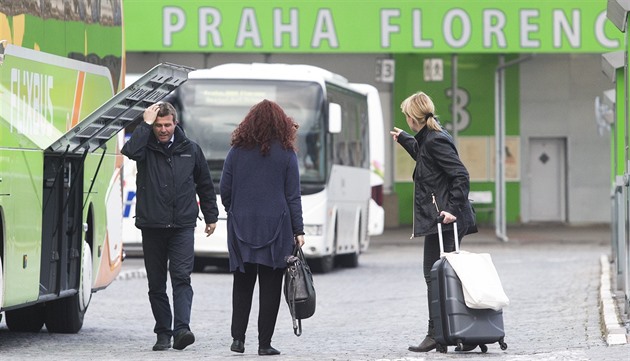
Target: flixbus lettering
31	102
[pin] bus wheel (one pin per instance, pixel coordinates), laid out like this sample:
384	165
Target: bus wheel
350	260
85	288
26	319
65	315
324	264
200	264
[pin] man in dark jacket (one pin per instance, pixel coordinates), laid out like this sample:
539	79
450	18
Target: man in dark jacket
172	172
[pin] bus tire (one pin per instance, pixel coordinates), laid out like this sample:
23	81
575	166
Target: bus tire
65	315
323	264
26	319
349	260
85	288
199	264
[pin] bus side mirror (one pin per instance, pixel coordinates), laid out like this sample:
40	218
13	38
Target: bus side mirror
334	118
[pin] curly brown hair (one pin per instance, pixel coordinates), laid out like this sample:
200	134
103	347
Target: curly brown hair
265	122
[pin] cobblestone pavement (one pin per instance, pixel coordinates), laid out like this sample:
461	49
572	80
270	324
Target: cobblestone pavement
373	312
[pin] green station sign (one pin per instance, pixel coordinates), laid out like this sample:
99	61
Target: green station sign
370	26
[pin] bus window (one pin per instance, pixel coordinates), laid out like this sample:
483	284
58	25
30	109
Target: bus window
210	110
350	146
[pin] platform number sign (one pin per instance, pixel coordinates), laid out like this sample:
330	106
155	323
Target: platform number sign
433	69
385	69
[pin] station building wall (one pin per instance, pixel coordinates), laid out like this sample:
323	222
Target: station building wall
547	96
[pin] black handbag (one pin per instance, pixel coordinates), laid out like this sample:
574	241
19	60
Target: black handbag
299	290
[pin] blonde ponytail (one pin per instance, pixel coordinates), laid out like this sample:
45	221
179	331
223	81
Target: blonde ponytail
432	123
419	106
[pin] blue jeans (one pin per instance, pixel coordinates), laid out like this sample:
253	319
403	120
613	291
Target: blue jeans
172	250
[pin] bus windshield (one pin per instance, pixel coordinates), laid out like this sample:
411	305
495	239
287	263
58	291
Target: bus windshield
210	110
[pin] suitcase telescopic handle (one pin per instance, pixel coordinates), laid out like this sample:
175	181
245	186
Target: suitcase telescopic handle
440	219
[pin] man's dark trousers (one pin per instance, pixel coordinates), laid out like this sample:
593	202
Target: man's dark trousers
172	248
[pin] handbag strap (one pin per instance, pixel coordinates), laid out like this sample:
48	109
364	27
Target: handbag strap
297	252
292	270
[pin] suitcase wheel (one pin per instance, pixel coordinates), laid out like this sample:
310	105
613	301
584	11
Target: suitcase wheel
441	348
503	345
470	347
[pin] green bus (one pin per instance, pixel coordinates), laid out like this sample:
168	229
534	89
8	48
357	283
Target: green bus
60	206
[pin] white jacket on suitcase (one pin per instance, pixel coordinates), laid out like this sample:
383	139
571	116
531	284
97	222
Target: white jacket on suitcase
480	280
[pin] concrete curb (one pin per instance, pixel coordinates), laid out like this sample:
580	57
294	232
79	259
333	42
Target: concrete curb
614	332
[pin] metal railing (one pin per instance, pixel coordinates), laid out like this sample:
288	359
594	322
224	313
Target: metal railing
620	241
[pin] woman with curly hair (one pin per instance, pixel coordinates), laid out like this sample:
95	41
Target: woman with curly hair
260	190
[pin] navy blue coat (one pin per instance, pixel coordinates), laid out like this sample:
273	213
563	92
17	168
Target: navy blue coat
261	195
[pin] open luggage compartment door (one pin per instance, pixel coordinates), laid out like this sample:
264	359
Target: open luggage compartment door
121	110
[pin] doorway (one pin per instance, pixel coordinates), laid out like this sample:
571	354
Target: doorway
547	196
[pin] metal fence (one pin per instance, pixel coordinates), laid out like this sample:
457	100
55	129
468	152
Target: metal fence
620	240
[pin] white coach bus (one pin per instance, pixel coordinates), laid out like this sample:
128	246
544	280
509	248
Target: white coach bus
341	152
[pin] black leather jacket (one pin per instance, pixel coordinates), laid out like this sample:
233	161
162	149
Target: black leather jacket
169	181
441	182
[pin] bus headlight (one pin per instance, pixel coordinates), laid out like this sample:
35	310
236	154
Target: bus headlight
313	229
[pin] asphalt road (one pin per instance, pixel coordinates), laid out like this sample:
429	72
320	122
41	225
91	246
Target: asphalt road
373	312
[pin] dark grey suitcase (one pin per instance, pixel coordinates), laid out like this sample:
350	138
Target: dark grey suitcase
454	323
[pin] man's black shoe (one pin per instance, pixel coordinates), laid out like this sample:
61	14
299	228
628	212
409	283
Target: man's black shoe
268	351
183	339
238	346
163	342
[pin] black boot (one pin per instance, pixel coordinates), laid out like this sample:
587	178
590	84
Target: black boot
428	344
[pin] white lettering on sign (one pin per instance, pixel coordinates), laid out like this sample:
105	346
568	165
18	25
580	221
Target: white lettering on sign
418	41
211	27
561	24
458	28
447	30
493	23
31	103
210	23
387	29
173	21
325	30
248	29
290	28
600	35
493	32
527	28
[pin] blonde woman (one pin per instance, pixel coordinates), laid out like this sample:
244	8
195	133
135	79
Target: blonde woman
441	184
